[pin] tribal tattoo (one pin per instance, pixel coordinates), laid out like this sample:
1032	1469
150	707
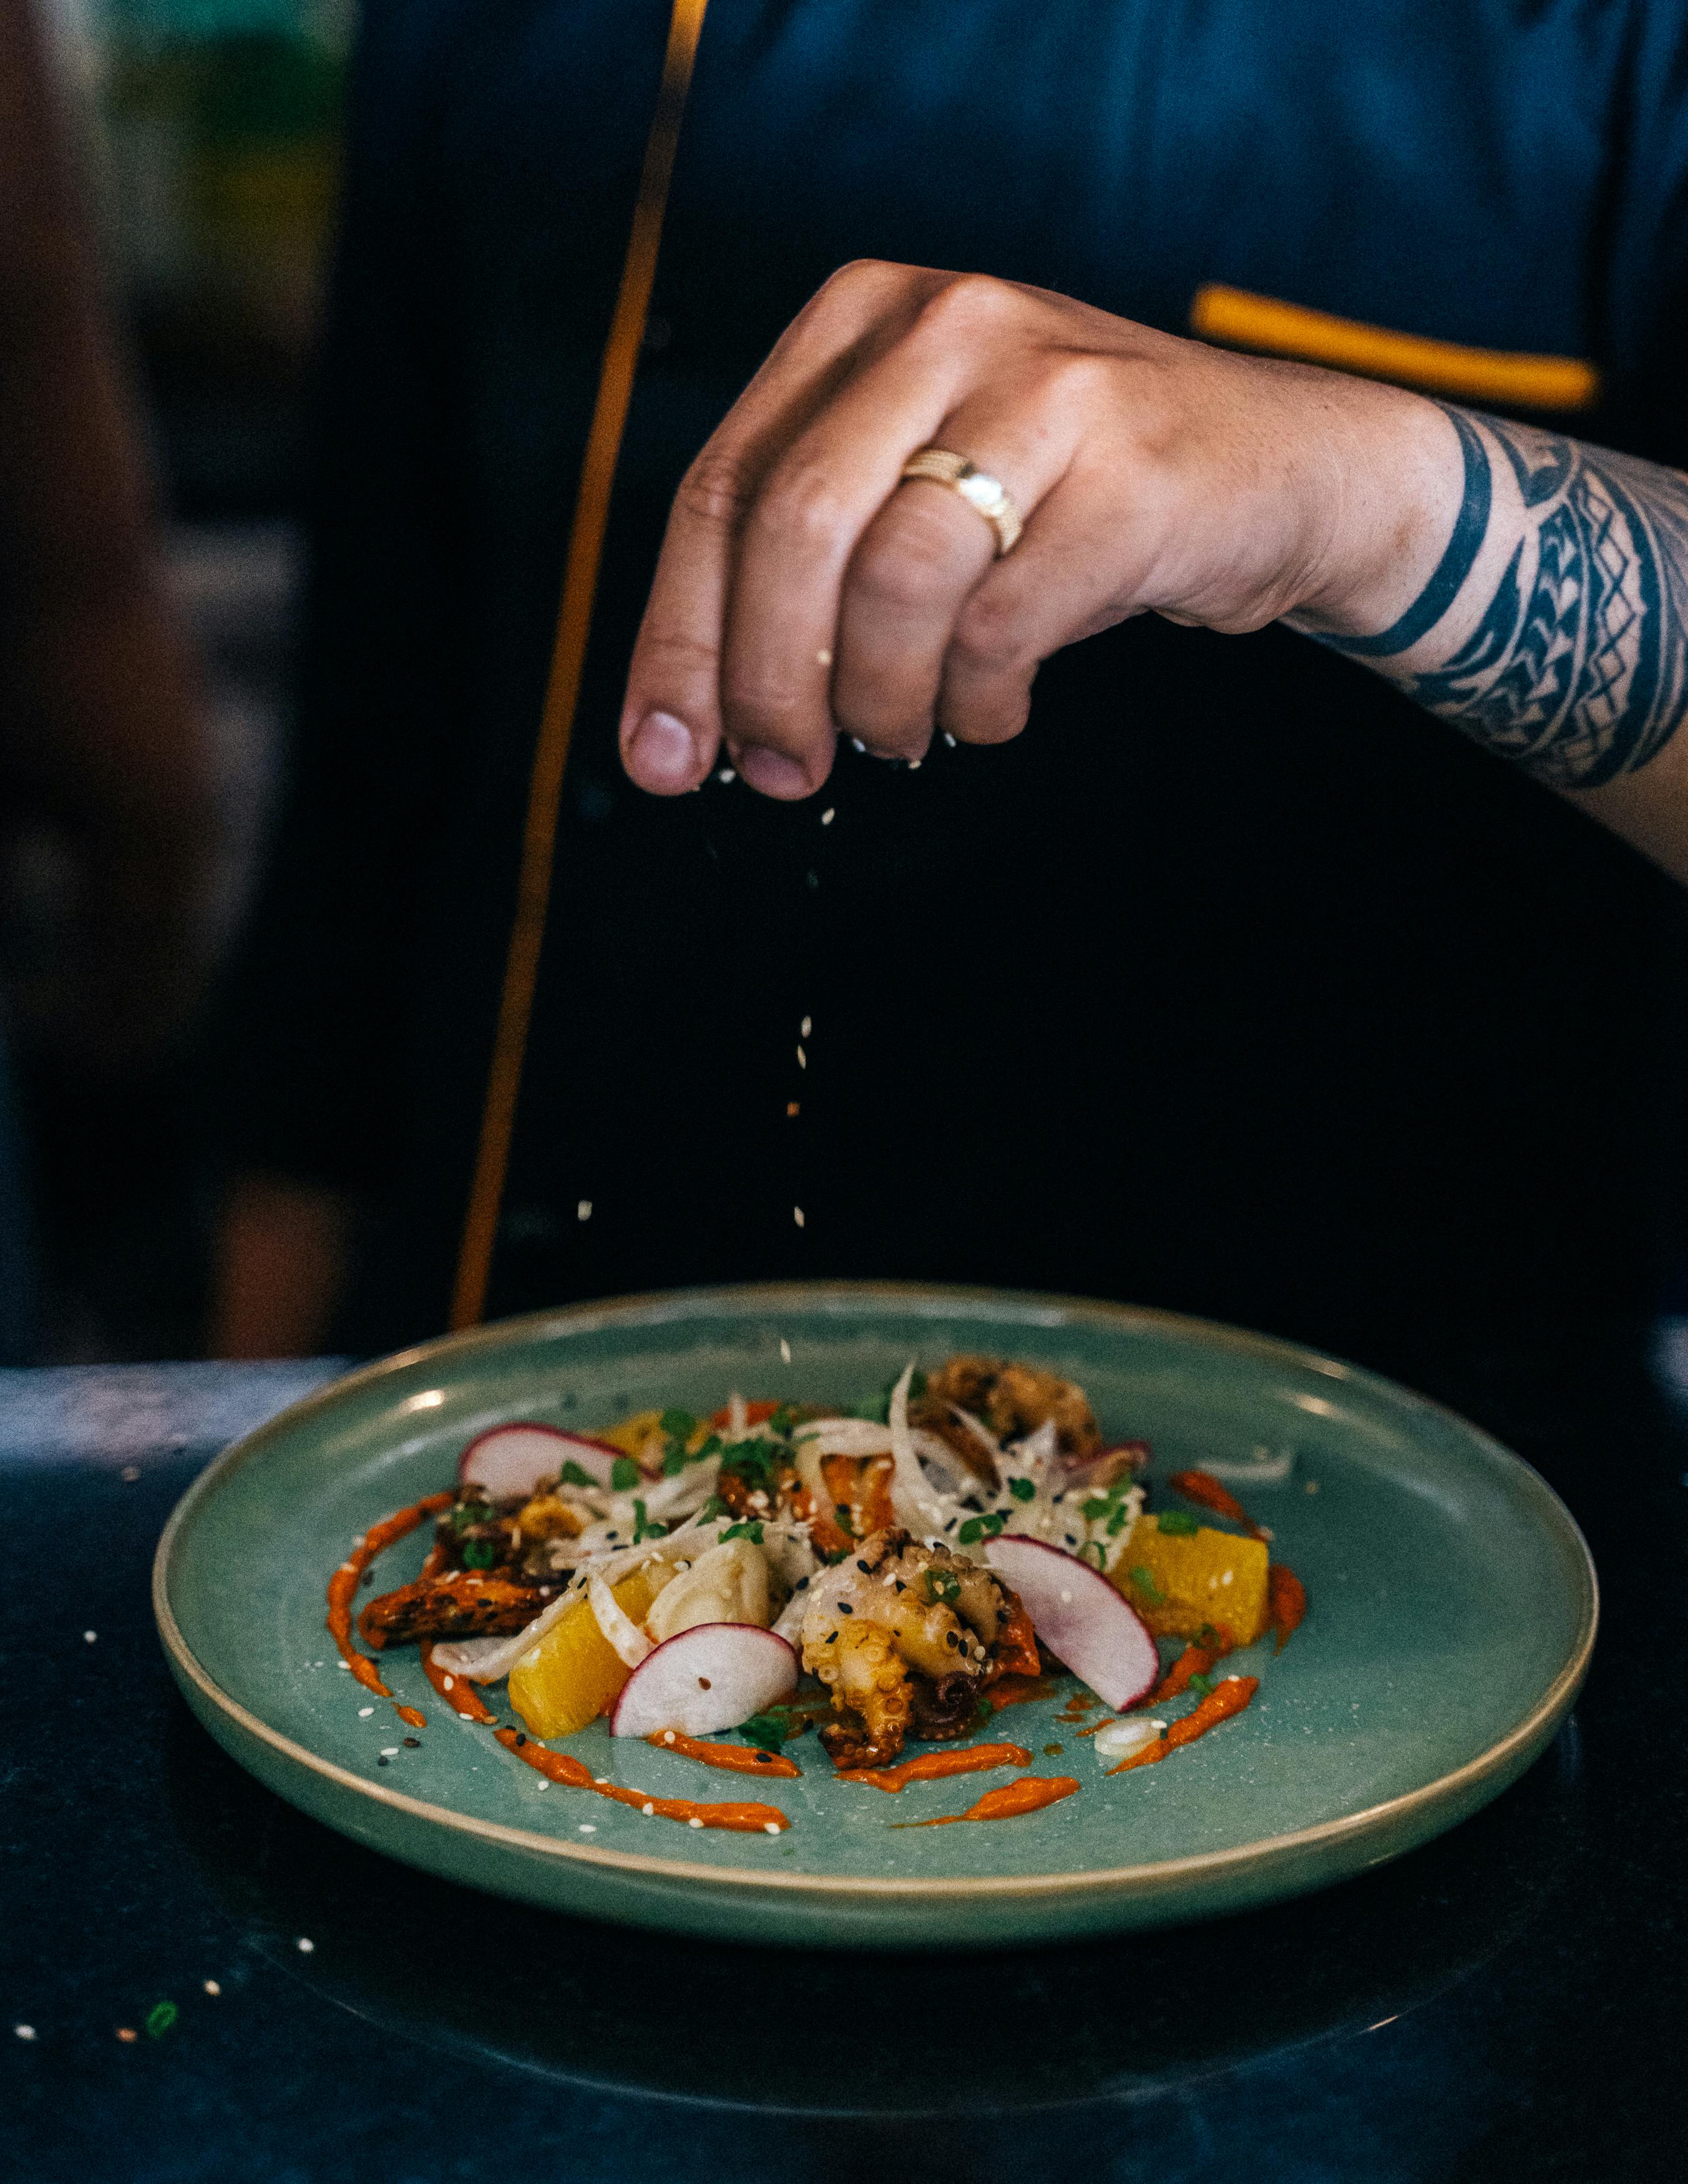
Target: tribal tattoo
1577	668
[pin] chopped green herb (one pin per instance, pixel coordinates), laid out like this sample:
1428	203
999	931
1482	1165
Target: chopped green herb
1144	1578
751	1530
766	1732
758	1463
576	1474
981	1528
943	1585
1094	1547
1096	1508
1117	1523
781	1420
160	2018
1200	1686
1023	1489
982	1713
479	1554
678	1425
643	1527
1179	1524
714	1508
623	1473
470	1512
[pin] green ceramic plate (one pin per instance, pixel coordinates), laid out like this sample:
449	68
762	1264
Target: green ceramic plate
1452	1613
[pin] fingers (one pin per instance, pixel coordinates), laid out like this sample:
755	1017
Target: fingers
671	722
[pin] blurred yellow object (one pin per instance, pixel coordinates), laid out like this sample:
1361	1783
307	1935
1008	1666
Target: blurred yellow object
574	1674
1178	1581
635	1436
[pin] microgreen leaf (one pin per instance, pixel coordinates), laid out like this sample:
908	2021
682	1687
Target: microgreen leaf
751	1529
479	1554
576	1474
678	1425
1023	1489
623	1473
1144	1577
1179	1524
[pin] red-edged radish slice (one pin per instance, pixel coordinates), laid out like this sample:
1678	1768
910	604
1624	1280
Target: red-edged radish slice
513	1459
1083	1619
711	1677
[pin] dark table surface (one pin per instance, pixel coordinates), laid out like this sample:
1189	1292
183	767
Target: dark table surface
1505	2003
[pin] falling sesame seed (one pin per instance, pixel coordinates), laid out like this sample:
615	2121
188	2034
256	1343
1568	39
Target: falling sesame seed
364	1713
304	1946
127	2035
212	1987
914	765
949	739
24	2031
806	1026
829	815
726	775
89	1636
583	1211
130	1473
797	1214
802	1058
784	1350
856	744
648	1809
771	1827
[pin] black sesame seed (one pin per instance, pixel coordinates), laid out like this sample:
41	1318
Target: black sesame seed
901	1587
520	1741
381	1762
844	1609
950	1638
863	1567
414	1743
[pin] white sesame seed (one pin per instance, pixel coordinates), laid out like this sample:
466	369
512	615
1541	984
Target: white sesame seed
304	1946
89	1637
668	1736
648	1809
212	1987
544	1783
364	1713
829	815
130	1473
949	739
583	1211
587	1828
694	1824
914	765
797	1214
448	1683
24	2031
823	658
726	775
856	744
802	1058
389	1751
784	1350
806	1026
600	1781
771	1827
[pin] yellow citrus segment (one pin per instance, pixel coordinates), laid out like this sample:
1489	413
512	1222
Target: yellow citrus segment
1177	1581
573	1672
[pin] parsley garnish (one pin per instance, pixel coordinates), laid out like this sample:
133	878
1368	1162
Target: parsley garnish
576	1474
1179	1524
678	1425
1144	1577
714	1508
981	1528
1200	1686
643	1527
470	1512
942	1586
766	1732
1023	1489
479	1554
623	1473
751	1530
758	1463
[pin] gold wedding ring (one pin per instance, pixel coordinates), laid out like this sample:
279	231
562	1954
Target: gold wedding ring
976	487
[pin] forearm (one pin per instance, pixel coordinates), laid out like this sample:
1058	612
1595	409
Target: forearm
1554	628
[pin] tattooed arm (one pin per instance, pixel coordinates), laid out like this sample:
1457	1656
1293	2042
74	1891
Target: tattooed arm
1554	630
1531	589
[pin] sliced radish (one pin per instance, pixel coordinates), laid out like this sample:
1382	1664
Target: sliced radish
1083	1619
709	1677
513	1459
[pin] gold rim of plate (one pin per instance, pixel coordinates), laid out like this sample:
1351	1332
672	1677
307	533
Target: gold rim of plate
1554	1703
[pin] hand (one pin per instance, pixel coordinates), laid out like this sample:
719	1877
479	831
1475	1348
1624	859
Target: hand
803	592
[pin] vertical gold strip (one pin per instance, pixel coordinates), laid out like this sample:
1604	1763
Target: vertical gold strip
568	658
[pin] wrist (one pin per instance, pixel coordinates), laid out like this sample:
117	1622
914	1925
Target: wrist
1391	493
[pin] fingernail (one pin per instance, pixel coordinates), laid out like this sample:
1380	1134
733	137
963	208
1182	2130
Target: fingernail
772	772
661	754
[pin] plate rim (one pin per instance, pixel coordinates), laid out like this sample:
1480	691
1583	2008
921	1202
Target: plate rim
1056	1308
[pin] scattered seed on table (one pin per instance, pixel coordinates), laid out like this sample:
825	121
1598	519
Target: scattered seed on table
212	1987
89	1637
304	1946
24	2031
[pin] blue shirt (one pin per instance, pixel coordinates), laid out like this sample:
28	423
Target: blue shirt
1236	983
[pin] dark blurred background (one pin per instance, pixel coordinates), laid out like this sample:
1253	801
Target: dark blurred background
207	135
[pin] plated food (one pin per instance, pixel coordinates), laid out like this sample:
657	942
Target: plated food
896	1575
